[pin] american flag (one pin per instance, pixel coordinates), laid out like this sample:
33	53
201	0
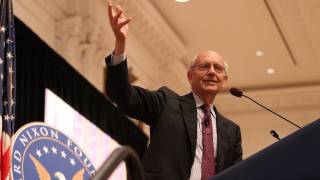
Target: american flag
7	84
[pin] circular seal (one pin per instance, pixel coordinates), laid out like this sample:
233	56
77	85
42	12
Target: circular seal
42	152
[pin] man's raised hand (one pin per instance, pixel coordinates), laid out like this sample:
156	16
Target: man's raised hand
119	24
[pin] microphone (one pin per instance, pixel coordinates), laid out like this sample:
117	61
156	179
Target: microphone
275	134
238	93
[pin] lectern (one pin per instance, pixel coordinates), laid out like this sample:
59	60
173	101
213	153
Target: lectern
296	156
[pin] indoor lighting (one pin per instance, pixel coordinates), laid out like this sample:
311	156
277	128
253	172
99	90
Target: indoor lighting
270	71
182	1
259	53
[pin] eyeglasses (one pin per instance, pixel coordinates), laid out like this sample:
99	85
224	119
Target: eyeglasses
207	66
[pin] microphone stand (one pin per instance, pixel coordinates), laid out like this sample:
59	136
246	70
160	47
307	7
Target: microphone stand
272	111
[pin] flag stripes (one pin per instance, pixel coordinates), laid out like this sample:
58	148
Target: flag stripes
7	84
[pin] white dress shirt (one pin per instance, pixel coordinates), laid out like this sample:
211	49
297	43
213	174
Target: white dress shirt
117	59
196	166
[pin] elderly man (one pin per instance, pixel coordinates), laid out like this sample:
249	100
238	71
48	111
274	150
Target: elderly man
190	139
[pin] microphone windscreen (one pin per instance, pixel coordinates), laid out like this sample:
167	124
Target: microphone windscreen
274	134
236	92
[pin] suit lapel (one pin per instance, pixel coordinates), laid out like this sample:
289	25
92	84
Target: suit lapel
221	134
189	115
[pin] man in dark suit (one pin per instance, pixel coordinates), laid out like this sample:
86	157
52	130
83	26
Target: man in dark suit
189	138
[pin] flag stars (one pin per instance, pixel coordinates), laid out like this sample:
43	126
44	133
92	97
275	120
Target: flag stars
9	55
12	104
63	154
10	70
38	152
54	150
2	29
6	117
9	41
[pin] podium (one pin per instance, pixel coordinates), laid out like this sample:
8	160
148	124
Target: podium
296	156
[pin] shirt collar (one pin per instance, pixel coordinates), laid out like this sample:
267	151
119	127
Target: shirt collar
199	102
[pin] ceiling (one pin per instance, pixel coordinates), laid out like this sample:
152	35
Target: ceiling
285	31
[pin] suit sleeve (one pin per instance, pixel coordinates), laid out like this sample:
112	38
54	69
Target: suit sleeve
136	102
237	156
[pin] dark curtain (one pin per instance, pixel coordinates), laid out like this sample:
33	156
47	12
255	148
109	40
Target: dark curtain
39	67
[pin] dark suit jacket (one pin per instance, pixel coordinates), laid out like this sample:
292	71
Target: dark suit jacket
173	127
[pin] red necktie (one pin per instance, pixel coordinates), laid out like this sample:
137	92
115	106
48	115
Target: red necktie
207	165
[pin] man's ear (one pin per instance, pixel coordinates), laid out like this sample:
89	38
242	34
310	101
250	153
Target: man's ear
225	79
189	76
